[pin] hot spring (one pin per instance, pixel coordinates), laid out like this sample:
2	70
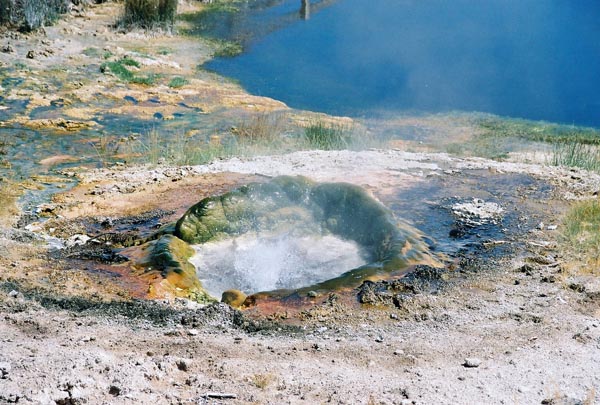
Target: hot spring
258	262
287	236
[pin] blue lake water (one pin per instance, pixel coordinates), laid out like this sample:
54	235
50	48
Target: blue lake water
533	59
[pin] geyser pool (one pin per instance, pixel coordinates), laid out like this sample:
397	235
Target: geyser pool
262	262
287	236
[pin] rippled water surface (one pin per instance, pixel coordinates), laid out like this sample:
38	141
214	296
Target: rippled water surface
252	264
529	59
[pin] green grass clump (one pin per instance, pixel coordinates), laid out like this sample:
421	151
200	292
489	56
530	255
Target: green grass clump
538	131
119	69
149	14
226	49
574	154
581	230
177	82
328	136
129	62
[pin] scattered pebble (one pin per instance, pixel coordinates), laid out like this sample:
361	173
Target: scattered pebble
183	364
5	369
472	362
114	390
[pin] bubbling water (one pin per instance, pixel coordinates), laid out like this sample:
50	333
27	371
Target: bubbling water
254	263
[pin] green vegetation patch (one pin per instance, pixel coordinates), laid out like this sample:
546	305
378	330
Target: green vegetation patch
328	136
119	69
177	82
574	154
226	49
538	131
496	137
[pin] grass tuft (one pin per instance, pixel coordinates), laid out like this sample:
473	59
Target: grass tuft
177	82
573	154
262	381
149	14
328	136
119	69
9	194
30	15
226	49
262	128
581	232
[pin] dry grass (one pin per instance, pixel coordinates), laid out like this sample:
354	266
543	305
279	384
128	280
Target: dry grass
262	381
261	128
9	194
581	235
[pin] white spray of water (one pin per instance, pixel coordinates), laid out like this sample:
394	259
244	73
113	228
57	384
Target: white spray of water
253	263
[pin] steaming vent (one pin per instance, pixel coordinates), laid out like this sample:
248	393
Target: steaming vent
262	262
293	235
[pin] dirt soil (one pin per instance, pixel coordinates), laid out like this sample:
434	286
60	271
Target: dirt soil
507	321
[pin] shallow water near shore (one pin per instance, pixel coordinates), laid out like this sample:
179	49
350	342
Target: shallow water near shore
534	60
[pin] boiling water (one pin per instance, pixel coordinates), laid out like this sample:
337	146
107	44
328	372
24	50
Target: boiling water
254	263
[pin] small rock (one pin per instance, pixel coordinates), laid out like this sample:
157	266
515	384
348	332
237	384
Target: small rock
193	332
552	227
114	390
472	362
183	364
13	294
312	294
30	54
379	339
549	279
5	369
8	48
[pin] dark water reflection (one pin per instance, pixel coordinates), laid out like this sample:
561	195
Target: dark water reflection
530	59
